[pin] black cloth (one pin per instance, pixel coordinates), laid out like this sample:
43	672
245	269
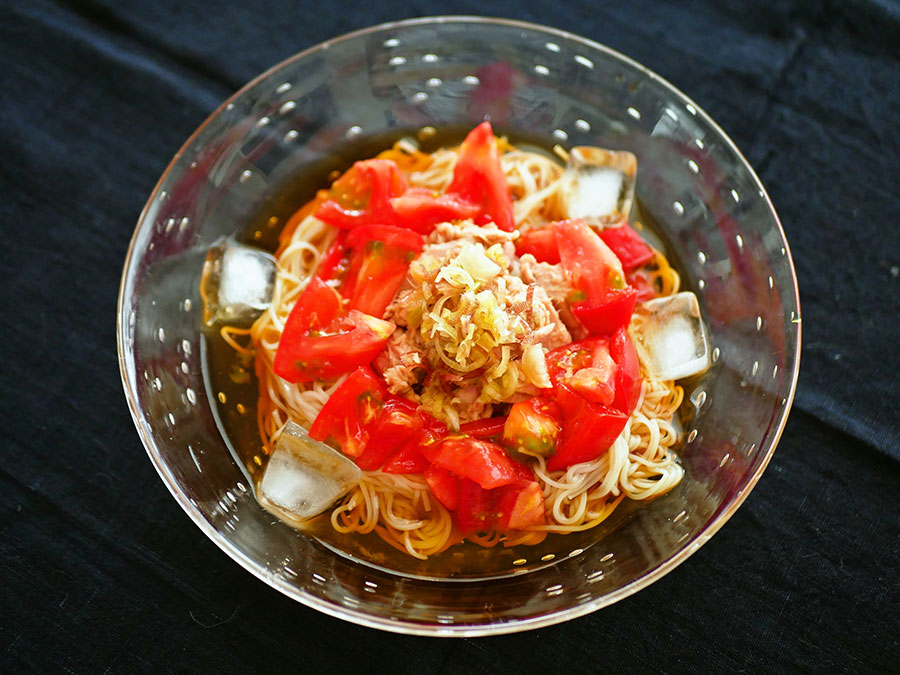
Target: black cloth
102	571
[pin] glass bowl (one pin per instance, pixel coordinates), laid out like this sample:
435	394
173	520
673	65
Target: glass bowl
318	108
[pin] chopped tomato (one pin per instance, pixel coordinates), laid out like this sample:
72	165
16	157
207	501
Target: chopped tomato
587	376
584	368
444	486
478	177
541	243
628	371
334	263
378	264
631	250
532	427
486	429
600	299
321	340
349	411
421	209
562	362
434	430
523	471
511	507
362	195
408	459
597	382
592	268
519	505
390	235
588	431
474	511
484	462
641	283
609	314
397	423
316	309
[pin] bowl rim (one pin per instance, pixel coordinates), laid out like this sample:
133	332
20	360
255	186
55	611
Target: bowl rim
409	627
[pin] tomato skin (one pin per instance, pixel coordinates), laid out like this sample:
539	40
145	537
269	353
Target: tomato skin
478	177
592	268
519	506
588	431
444	486
361	196
391	236
486	429
474	511
349	411
516	506
523	471
320	340
397	423
601	299
628	371
484	462
533	426
378	263
408	459
629	247
334	263
610	314
355	340
541	243
641	283
316	309
420	209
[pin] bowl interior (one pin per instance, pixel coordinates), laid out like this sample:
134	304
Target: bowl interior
317	112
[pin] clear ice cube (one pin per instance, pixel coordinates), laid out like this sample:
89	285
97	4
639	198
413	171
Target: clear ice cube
599	184
673	336
237	283
304	477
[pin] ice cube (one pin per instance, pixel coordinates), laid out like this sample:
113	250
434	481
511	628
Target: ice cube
599	184
673	336
304	477
237	283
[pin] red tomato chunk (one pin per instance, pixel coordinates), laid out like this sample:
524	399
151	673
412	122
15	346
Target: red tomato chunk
362	195
588	378
484	462
381	255
421	209
478	177
532	427
541	243
515	506
322	340
348	413
397	423
631	250
444	486
600	299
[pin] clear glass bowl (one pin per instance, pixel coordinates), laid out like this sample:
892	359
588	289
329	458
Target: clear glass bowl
716	219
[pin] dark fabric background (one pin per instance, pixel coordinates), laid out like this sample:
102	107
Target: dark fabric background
100	571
